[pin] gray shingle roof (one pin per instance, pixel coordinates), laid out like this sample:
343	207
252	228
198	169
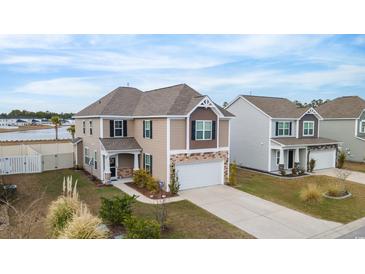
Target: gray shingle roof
276	107
342	107
126	101
123	143
290	141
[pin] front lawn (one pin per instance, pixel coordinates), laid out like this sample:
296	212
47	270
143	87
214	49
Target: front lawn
354	166
185	219
286	192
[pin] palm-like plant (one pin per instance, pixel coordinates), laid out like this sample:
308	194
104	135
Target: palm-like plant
56	121
71	129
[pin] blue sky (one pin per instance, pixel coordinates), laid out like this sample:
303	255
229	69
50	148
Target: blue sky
67	72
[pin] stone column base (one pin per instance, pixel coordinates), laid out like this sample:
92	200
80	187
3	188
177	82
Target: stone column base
281	167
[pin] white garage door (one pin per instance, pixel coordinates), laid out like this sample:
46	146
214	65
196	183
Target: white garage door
200	174
324	158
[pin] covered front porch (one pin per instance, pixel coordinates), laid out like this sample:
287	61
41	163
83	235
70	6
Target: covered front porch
120	157
287	158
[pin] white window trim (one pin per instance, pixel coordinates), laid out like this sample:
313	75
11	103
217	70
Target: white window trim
115	135
360	129
277	158
88	156
91	127
283	128
211	130
308	122
145	157
84	127
145	129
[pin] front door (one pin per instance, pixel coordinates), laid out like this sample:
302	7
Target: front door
113	167
290	159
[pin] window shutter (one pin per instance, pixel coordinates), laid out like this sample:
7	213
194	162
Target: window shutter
151	163
192	130
111	128
213	129
151	129
290	128
125	130
143	160
144	135
277	129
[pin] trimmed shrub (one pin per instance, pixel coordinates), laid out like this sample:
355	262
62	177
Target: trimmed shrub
311	193
174	185
140	178
294	171
142	229
116	210
61	212
152	184
301	171
84	226
341	159
233	174
312	164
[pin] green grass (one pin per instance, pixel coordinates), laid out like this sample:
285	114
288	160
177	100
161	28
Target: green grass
354	166
286	192
185	220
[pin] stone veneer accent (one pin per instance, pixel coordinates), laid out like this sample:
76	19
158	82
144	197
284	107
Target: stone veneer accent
194	157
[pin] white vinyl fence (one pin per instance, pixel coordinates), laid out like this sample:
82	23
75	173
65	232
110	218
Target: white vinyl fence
20	164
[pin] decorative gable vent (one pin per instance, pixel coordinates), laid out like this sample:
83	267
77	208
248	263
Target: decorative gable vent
206	103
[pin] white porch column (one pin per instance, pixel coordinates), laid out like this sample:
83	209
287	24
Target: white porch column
281	160
136	161
296	155
107	172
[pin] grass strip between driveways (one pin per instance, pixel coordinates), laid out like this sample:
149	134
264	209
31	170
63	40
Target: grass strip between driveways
286	192
185	220
354	166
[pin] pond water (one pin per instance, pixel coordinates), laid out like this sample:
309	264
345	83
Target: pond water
38	134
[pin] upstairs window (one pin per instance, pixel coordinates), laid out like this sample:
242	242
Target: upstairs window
118	128
283	128
203	130
362	126
91	127
83	127
147	129
308	128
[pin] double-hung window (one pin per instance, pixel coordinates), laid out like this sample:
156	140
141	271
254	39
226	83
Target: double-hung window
148	163
147	129
308	128
203	130
91	127
283	129
118	128
362	126
83	127
86	156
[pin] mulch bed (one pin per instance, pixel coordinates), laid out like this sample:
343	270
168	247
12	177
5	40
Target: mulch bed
151	195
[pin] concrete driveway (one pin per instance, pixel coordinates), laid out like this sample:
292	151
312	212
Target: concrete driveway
355	176
260	218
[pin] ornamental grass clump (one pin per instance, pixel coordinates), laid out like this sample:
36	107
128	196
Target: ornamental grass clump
84	226
336	190
311	193
62	210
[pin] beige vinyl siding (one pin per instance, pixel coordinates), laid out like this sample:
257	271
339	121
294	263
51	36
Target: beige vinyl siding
223	133
155	146
106	127
178	133
125	160
92	142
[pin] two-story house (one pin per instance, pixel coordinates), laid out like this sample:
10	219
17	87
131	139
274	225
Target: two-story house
271	134
129	129
344	120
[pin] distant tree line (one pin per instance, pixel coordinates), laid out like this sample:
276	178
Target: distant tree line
314	103
16	113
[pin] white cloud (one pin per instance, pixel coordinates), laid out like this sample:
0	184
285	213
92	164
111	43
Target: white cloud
66	87
33	41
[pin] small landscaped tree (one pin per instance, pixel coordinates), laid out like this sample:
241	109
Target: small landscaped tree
174	180
312	164
56	121
233	173
341	159
71	129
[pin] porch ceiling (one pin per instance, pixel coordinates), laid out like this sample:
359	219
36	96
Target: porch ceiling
120	144
291	141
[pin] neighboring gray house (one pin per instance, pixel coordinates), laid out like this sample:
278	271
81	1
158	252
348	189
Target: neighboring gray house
344	120
272	133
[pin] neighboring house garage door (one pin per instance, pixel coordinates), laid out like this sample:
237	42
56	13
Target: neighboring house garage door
324	158
200	174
